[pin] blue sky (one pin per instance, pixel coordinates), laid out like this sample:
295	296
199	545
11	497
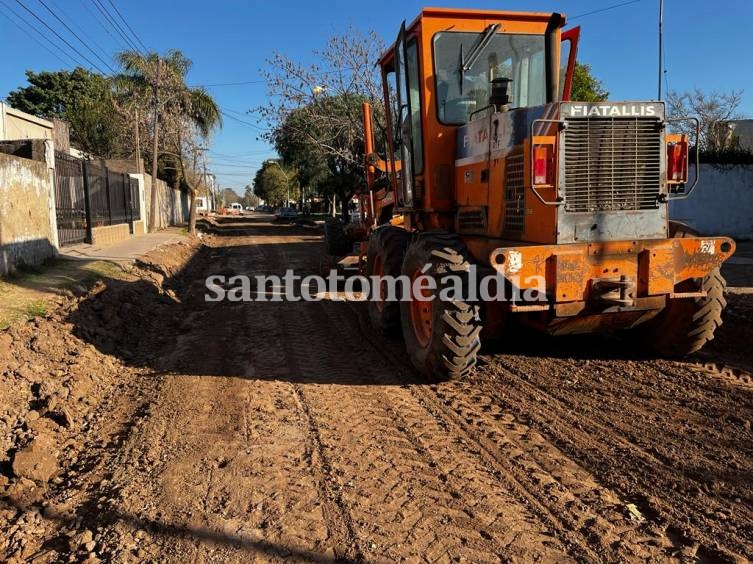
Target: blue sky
707	46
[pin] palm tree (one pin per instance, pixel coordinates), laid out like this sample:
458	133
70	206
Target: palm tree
175	106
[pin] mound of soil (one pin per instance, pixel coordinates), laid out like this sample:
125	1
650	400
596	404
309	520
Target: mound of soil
56	380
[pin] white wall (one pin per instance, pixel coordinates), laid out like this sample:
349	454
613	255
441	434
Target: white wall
15	124
721	204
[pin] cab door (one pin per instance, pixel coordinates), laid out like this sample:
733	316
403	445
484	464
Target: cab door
403	121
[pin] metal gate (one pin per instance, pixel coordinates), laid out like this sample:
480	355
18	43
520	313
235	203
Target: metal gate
89	195
70	201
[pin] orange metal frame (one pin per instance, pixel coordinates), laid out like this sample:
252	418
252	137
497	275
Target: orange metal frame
438	138
653	267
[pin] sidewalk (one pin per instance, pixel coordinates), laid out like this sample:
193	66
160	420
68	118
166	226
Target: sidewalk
125	251
30	293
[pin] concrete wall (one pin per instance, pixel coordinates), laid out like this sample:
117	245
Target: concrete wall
722	203
139	228
15	124
110	234
28	231
172	205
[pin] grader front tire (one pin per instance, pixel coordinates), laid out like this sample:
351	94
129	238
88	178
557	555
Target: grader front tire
442	337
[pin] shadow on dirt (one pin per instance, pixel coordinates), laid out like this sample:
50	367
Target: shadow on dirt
103	517
163	322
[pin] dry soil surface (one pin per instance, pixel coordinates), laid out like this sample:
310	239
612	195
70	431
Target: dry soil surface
139	422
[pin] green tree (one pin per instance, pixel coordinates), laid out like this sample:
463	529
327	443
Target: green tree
585	87
315	116
80	97
180	115
273	183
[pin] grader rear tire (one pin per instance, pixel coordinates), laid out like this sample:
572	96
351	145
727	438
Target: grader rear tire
384	257
685	325
442	337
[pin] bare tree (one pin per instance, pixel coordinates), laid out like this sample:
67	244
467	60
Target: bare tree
314	112
713	109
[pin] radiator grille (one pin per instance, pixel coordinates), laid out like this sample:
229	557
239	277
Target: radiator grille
612	164
472	220
515	204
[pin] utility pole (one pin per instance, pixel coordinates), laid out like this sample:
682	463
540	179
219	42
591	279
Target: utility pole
155	148
138	141
661	45
209	186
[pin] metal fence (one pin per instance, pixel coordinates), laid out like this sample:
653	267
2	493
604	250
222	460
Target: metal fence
70	200
90	195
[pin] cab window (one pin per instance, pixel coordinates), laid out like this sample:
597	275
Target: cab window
463	71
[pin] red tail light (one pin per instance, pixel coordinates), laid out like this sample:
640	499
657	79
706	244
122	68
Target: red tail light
543	165
677	162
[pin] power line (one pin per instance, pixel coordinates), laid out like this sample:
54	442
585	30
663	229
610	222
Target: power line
232	83
45	47
224	165
263	81
102	24
242	154
242	122
82	31
114	24
128	25
235	174
607	8
76	35
236	162
44	23
236	165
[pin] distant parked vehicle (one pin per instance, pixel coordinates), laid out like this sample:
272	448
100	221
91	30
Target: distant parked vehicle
287	213
235	209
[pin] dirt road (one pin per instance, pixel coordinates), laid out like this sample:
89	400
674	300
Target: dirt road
288	431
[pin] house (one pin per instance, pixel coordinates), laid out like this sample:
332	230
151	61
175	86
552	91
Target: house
741	134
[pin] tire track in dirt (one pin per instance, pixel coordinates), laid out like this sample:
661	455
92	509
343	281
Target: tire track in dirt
563	494
585	439
479	522
341	535
434	438
340	527
662	385
291	432
498	466
218	482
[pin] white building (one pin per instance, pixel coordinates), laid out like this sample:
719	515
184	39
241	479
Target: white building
741	133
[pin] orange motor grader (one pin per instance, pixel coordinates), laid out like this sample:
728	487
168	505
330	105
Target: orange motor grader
488	169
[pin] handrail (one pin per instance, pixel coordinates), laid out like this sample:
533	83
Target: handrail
686	195
559	201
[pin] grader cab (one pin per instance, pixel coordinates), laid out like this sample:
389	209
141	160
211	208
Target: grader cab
491	173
